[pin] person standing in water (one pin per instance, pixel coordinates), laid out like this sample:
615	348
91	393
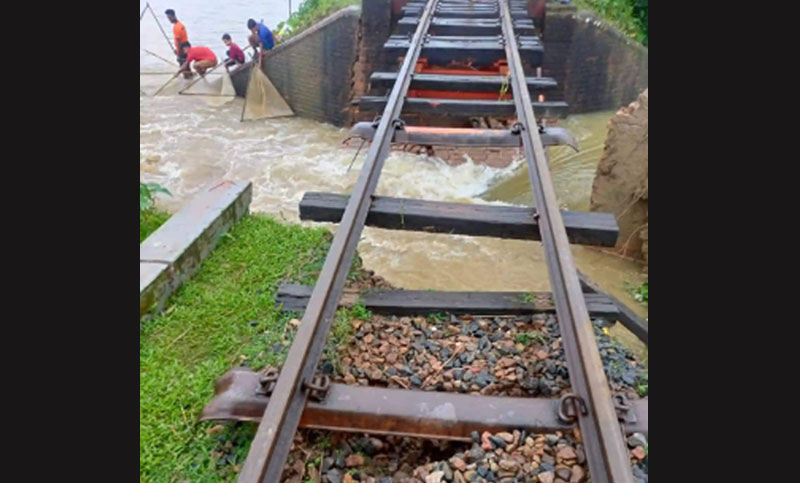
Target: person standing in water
234	53
179	32
261	36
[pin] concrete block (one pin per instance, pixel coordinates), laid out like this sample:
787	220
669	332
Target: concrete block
174	252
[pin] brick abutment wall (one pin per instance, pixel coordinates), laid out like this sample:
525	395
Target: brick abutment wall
324	69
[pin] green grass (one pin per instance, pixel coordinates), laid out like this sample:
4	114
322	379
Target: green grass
223	317
628	16
149	221
525	338
310	12
639	293
437	318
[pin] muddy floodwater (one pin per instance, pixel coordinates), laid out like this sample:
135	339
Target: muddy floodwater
187	142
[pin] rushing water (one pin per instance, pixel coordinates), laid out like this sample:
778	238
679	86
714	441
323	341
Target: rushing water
187	142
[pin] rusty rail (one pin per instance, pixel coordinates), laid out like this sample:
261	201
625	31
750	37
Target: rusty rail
593	405
273	439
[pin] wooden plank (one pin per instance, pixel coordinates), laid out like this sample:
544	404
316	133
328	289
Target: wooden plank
514	222
464	83
466	108
447	11
294	297
626	317
465	26
481	51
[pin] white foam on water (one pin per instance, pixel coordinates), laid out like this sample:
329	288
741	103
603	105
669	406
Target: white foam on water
197	144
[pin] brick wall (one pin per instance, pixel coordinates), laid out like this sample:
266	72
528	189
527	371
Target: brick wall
376	26
322	69
596	67
313	71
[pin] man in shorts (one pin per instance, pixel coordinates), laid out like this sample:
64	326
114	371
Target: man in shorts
179	33
202	57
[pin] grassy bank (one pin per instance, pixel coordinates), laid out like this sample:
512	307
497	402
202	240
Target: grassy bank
150	221
629	16
224	316
310	12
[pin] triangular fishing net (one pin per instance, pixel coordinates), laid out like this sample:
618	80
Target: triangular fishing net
262	99
216	88
157	59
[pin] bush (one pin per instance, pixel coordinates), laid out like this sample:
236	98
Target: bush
150	218
630	16
310	12
147	192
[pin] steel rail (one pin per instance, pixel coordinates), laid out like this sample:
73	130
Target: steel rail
605	448
270	448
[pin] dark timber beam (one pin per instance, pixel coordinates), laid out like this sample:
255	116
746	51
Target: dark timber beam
294	297
626	317
401	412
465	12
465	26
463	83
515	222
481	51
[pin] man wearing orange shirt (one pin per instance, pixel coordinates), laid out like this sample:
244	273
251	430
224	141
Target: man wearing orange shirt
179	32
203	59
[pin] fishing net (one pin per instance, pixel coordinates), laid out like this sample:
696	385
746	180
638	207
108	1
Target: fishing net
263	100
216	87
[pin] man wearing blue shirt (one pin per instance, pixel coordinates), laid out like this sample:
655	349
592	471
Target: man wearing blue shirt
262	37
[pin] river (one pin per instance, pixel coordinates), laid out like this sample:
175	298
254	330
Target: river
187	142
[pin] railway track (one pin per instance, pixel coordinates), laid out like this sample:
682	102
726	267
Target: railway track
492	33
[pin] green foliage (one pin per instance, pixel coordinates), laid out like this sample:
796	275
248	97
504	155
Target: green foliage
630	16
359	311
527	298
324	443
224	316
504	86
310	12
525	338
641	386
342	331
150	218
641	293
147	192
439	317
